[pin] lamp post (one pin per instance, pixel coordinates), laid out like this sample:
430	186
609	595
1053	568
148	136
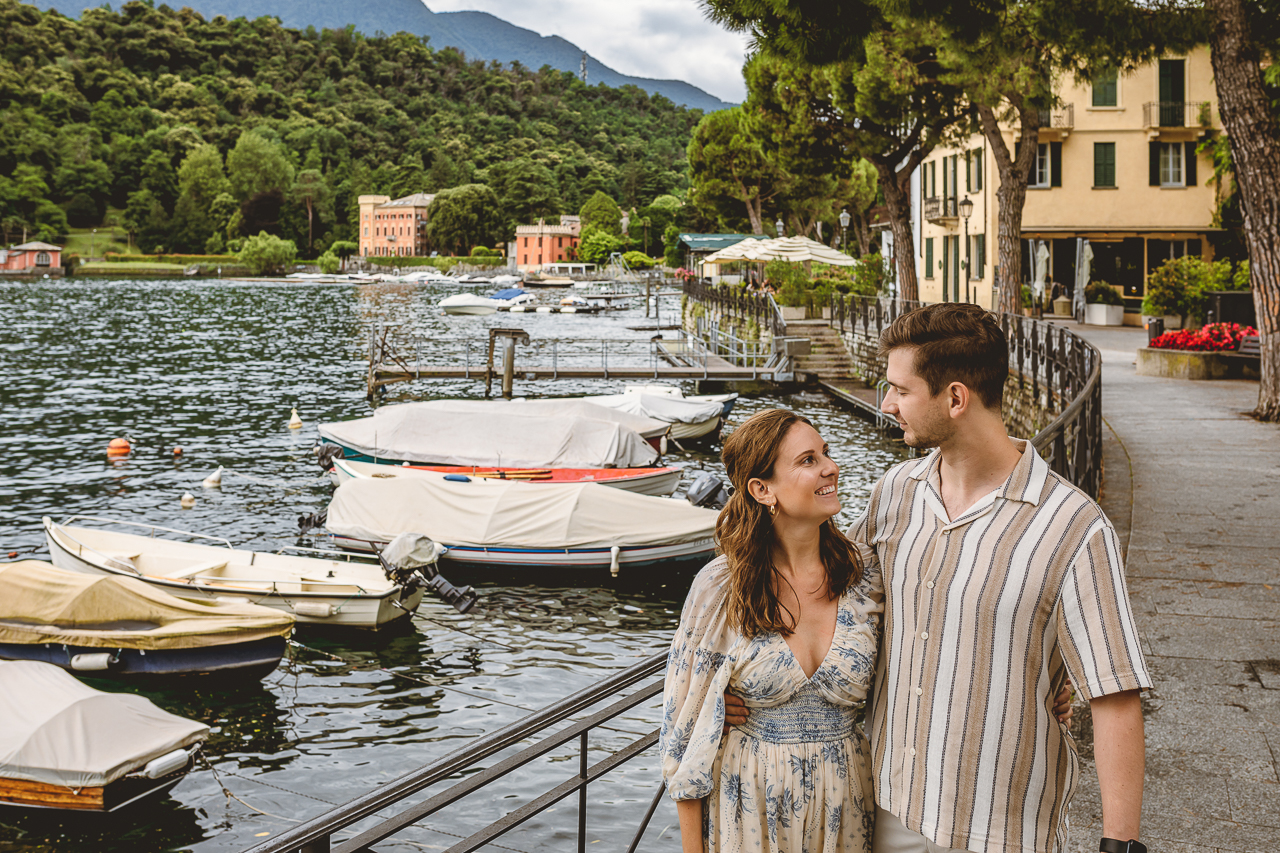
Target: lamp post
780	227
966	210
844	227
92	242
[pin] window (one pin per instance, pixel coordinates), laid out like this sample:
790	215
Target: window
977	169
1104	164
1040	169
1105	89
928	257
366	229
978	268
1171	164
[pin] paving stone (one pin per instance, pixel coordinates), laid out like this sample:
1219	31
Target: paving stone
1255	802
1161	831
1206	637
1223	608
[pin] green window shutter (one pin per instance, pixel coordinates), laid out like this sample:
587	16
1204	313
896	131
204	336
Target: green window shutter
1055	164
982	255
1189	163
977	170
968	171
1154	163
1105	90
928	257
1104	164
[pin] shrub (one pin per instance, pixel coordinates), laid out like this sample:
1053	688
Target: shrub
1215	337
1028	296
638	260
1174	288
1101	293
789	282
329	263
267	253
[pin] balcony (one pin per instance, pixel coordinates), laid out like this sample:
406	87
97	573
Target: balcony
1063	118
940	209
1164	114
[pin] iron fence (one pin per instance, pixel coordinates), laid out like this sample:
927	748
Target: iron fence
739	303
1177	114
1058	370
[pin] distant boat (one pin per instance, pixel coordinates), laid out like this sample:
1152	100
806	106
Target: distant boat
500	433
64	745
641	481
689	419
726	401
471	303
526	525
314	591
119	627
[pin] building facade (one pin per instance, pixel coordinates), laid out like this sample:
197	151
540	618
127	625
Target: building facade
1116	174
542	244
394	227
35	257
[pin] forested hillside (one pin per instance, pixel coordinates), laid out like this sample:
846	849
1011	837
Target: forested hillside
203	131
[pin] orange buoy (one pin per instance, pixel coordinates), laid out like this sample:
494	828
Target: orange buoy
177	451
118	447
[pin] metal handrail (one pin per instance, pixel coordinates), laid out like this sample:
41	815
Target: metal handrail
152	527
316	835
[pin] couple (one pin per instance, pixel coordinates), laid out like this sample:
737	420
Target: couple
995	579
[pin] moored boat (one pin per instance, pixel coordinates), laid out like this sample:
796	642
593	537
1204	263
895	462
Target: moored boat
726	401
527	525
64	745
119	627
641	481
688	419
506	433
331	592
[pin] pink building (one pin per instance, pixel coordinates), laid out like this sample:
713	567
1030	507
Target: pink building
33	257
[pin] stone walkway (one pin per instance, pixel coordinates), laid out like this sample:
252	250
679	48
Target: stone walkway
1193	486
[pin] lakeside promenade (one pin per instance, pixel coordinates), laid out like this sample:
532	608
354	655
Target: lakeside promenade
1192	485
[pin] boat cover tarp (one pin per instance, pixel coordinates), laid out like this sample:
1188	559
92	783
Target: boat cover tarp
58	731
43	604
506	514
512	434
661	407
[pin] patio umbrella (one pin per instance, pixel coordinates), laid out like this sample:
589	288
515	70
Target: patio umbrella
1082	280
797	249
731	254
1042	269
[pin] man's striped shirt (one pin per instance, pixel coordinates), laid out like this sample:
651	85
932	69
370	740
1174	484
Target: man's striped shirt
984	618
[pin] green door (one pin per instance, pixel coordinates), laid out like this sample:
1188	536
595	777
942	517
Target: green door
1173	93
955	265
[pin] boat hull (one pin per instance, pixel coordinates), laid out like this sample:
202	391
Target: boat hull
570	558
23	793
479	310
345	609
250	660
658	482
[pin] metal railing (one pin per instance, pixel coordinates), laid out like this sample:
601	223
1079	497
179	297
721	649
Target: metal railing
1177	114
938	208
1059	117
1058	370
318	834
739	303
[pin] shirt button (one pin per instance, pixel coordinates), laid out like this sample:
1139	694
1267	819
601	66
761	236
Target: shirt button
913	750
919	691
929	584
924	635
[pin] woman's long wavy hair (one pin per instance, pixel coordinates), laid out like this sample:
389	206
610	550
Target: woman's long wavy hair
745	531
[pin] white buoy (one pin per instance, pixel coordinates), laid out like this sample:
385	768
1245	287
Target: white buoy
188	500
214	480
295	422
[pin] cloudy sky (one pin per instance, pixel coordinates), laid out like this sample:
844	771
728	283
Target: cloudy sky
646	38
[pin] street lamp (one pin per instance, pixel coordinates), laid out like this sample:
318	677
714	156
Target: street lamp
92	241
966	210
844	226
780	227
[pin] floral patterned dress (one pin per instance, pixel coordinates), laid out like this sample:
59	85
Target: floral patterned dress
797	776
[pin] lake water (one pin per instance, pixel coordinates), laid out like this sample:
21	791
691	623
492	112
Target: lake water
215	367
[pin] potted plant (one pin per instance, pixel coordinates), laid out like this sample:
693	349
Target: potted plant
1104	306
1028	300
1173	292
791	287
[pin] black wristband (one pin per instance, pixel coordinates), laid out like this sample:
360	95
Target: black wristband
1111	845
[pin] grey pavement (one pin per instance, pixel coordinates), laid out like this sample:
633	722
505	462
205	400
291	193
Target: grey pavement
1192	484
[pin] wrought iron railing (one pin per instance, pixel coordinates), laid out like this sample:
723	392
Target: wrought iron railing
330	831
937	208
1060	372
739	303
1059	117
1177	114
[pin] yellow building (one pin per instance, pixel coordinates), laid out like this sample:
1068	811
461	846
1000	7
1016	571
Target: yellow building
1116	166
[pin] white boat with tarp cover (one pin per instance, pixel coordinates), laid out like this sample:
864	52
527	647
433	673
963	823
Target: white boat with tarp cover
511	433
64	745
314	590
515	524
689	419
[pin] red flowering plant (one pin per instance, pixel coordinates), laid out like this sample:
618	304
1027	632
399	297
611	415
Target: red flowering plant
1215	337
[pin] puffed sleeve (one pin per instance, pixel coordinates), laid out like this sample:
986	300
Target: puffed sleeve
698	671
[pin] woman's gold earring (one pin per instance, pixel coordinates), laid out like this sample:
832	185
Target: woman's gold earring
773	510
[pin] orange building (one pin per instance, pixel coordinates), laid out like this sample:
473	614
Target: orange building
396	227
32	258
541	244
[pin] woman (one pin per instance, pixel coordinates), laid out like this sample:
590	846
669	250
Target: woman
787	619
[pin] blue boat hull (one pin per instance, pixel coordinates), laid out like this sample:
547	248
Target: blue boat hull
252	660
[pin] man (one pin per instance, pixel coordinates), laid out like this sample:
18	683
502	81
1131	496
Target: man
1000	578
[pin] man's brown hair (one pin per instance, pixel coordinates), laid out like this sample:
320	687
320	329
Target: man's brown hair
954	342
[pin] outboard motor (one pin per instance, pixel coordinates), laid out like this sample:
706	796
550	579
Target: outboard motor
410	561
307	523
326	453
707	490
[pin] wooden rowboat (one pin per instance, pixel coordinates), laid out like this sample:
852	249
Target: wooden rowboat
333	592
641	481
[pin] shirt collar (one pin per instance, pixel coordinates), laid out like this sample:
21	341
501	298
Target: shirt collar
1025	484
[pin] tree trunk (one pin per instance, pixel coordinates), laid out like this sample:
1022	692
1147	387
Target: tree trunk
898	202
1255	150
309	209
1010	198
753	210
862	233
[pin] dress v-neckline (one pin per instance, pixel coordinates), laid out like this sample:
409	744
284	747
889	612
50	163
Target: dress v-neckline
834	631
